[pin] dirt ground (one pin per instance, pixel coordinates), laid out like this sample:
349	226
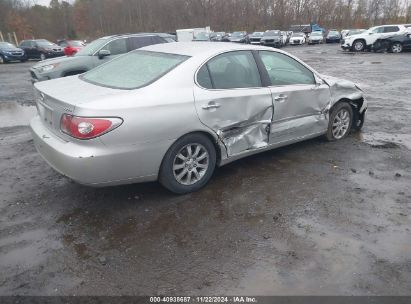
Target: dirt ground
314	218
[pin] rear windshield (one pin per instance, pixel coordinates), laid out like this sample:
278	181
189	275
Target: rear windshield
133	70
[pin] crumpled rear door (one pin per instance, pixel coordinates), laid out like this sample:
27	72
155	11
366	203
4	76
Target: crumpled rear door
240	117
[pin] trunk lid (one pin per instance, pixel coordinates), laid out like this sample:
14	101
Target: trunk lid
61	96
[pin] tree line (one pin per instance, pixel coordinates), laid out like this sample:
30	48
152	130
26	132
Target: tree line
88	19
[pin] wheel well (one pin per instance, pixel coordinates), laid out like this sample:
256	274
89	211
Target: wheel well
209	136
355	104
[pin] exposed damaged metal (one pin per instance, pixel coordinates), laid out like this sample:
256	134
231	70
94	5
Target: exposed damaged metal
249	134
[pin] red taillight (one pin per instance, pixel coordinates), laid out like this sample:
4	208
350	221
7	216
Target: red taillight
87	127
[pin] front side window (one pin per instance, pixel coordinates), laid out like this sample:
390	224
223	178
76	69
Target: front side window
231	71
284	70
378	30
117	47
92	47
133	70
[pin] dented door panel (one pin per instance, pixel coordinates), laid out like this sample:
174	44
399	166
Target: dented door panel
240	117
299	111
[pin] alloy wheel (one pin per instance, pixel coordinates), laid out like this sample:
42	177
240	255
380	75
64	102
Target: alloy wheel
191	164
359	46
341	124
42	57
396	48
1	60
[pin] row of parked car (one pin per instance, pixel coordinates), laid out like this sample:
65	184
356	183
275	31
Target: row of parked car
274	38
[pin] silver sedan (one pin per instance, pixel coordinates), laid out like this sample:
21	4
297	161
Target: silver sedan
173	112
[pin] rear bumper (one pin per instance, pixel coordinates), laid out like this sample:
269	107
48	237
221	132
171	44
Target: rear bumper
95	164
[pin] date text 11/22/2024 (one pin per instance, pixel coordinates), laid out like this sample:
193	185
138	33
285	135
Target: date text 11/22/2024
210	299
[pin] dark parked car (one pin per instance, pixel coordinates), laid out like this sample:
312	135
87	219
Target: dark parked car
41	49
272	38
217	36
333	36
255	38
71	46
92	55
395	44
240	37
9	52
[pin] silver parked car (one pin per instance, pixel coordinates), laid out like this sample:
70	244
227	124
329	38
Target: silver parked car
175	111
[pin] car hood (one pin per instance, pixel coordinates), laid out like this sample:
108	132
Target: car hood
11	50
236	38
271	37
316	38
59	60
74	91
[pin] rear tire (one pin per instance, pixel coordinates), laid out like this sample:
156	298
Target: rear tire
189	164
340	123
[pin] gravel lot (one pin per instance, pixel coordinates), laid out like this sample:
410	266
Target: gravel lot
314	218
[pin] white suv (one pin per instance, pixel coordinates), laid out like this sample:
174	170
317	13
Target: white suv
365	40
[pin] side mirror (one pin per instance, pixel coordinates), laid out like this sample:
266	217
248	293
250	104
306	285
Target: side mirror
103	53
370	33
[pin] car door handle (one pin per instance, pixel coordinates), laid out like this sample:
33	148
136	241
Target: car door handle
211	105
281	98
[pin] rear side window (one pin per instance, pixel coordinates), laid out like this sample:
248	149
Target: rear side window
391	29
139	42
230	71
203	78
133	70
284	70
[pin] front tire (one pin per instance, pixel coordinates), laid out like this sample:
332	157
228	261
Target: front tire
396	47
358	45
340	123
189	164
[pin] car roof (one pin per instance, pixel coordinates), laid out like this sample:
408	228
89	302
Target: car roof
200	48
137	35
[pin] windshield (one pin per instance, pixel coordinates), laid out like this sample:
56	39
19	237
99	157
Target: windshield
93	47
237	34
298	35
272	33
76	43
316	34
44	43
133	70
258	34
6	45
333	33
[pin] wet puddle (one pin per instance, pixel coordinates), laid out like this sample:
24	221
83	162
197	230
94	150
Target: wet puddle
381	140
12	114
